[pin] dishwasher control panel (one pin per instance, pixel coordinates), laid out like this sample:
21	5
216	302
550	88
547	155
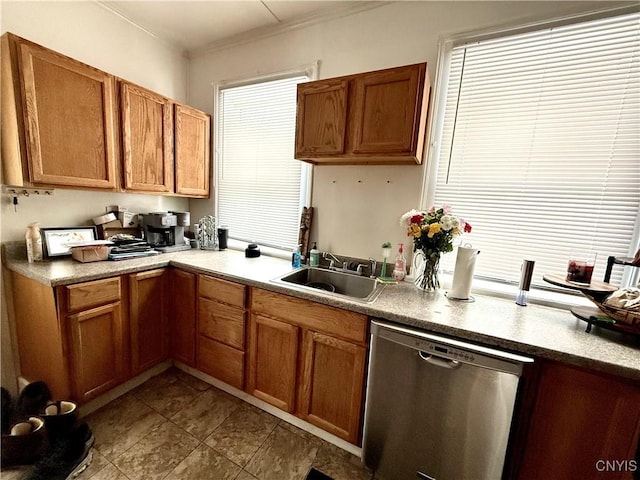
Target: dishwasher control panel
443	351
449	349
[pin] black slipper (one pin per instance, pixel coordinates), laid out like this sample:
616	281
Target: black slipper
32	400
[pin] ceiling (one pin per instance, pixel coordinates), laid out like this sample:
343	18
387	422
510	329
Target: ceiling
201	26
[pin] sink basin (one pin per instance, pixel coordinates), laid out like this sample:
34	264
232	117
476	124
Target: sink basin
333	283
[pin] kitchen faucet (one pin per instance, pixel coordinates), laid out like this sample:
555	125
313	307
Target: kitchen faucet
374	266
344	265
332	260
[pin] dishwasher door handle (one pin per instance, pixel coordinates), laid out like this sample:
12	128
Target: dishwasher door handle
439	362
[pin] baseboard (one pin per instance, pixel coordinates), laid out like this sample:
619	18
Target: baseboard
276	412
123	388
129	385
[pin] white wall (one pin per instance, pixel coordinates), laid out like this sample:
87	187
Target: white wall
358	208
91	34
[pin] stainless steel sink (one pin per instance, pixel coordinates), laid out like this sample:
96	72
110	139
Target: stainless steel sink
330	282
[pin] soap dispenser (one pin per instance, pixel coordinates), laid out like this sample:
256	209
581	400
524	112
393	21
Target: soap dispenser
400	267
314	256
296	258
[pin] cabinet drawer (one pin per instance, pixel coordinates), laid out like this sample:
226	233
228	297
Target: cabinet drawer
221	322
313	316
221	290
221	361
92	294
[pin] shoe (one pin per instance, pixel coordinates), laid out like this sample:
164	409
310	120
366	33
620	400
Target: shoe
32	400
25	443
68	457
7	411
59	417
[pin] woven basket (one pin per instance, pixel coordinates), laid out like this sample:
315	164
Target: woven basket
625	316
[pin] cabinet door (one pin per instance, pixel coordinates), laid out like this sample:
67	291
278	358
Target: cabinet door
97	352
581	420
321	117
273	360
69	110
193	139
332	385
147	139
148	318
183	318
386	110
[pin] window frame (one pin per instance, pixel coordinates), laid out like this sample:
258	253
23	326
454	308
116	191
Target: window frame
306	181
446	44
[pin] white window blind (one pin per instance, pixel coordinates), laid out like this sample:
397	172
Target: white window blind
540	146
261	188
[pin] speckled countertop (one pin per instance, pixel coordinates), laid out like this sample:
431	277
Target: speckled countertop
536	330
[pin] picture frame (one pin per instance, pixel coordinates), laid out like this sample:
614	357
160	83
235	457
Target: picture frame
54	239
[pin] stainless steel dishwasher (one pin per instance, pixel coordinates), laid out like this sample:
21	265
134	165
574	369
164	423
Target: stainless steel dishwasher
437	408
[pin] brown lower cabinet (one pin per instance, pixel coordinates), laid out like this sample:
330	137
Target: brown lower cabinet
331	387
97	349
183	316
149	319
305	358
93	315
84	339
309	360
583	425
273	362
221	329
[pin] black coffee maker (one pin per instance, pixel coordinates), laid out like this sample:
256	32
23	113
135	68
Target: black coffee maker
164	231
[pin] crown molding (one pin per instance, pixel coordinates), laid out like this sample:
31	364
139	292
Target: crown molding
161	38
252	35
270	31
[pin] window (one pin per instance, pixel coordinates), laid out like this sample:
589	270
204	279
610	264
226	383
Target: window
539	145
261	188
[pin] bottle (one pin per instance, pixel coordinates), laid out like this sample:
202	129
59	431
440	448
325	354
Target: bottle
314	256
400	267
34	243
296	258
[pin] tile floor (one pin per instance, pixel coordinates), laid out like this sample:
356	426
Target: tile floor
174	426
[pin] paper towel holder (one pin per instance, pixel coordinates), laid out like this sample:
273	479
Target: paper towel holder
471	298
463	274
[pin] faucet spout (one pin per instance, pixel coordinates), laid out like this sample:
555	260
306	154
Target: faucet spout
374	266
332	260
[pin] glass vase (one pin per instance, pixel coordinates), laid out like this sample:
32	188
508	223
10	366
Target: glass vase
425	267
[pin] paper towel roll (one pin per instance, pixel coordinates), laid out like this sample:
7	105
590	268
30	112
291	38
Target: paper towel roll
463	273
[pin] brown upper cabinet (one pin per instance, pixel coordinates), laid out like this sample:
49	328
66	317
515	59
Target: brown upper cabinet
147	139
375	117
63	119
192	137
165	144
66	124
